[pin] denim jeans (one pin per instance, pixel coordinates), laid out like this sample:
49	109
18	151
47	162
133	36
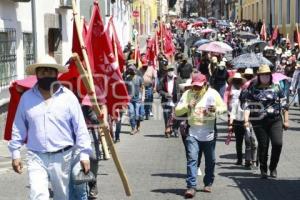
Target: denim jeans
118	127
208	149
148	100
45	167
134	110
80	191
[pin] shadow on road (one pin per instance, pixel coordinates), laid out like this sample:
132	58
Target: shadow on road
155	136
170	175
179	192
231	156
254	188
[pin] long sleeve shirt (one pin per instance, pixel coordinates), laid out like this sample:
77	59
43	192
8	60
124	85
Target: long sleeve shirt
49	125
201	125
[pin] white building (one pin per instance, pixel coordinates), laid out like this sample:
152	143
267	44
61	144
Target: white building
54	28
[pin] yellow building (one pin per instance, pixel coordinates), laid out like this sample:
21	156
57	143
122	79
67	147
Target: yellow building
147	15
284	13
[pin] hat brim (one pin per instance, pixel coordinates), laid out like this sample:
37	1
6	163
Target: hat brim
31	69
200	84
231	79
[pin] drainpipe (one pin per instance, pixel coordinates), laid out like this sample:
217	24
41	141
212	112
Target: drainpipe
33	16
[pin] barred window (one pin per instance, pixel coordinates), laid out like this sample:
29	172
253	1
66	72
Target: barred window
8	71
28	49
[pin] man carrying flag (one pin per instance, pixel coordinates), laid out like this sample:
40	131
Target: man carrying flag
51	129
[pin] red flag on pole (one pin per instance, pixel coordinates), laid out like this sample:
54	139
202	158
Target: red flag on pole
263	32
115	40
274	36
297	35
107	75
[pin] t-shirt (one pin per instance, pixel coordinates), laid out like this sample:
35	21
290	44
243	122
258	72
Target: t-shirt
148	75
134	85
185	70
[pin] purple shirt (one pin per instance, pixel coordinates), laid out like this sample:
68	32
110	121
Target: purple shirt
49	125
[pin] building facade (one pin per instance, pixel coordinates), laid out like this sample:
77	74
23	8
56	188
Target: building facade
32	28
284	13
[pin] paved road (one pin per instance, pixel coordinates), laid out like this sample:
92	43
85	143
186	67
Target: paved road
155	167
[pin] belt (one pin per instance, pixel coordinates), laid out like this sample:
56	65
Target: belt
61	150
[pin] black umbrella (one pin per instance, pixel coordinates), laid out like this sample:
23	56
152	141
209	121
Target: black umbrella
256	43
246	35
250	60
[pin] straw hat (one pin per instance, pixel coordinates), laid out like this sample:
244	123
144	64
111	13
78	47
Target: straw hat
237	76
45	61
264	69
249	71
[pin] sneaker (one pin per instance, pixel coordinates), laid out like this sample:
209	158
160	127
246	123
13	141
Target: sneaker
151	114
273	173
263	174
93	193
207	189
116	141
239	162
190	193
199	172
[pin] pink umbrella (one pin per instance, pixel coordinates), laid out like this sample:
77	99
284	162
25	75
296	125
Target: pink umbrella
208	30
212	47
279	77
196	24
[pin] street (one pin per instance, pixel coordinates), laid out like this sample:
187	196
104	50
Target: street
155	167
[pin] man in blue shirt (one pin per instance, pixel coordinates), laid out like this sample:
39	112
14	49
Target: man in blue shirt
50	120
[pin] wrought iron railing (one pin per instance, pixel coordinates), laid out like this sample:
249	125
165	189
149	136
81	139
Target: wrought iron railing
8	71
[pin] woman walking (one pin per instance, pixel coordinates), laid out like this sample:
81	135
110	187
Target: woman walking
264	108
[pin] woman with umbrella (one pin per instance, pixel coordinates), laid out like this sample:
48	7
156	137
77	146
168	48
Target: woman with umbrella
265	104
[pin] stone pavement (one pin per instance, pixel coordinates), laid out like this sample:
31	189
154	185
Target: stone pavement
155	167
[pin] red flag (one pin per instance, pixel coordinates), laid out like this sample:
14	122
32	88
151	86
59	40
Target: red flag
72	75
263	32
274	36
16	90
115	40
169	47
106	72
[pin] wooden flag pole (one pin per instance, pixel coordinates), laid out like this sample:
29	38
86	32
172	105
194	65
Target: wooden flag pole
89	84
104	128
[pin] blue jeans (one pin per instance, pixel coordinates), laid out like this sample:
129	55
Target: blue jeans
134	110
148	100
208	149
80	191
118	127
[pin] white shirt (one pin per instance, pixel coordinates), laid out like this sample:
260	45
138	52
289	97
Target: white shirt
170	90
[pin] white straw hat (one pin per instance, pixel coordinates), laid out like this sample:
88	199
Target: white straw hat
45	61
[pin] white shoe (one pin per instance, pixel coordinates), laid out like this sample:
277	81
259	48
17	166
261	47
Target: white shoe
199	172
151	114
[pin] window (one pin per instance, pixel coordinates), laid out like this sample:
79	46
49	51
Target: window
280	12
28	49
298	11
7	56
55	43
288	11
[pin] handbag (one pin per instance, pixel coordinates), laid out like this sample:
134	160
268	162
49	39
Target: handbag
81	177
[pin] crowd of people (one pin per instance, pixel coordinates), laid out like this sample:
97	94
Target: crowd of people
195	87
